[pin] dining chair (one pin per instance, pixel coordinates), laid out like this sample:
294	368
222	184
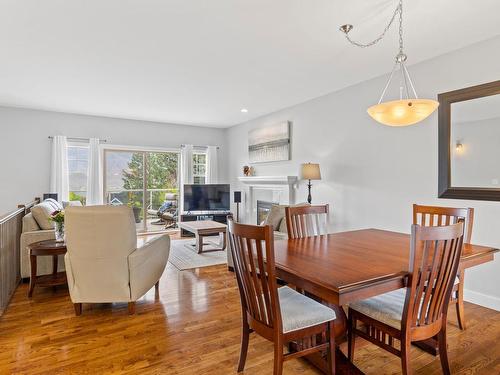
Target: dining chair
435	216
310	221
418	311
306	221
280	315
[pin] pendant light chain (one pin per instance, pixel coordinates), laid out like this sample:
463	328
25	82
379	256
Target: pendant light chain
407	110
400	57
399	10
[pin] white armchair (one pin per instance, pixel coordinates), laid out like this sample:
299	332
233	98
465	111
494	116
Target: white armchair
103	263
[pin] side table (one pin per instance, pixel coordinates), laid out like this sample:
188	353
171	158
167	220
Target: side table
46	248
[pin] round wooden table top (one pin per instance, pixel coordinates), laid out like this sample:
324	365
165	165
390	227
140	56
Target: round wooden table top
48	247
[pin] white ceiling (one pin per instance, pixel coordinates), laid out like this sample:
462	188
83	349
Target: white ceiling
201	61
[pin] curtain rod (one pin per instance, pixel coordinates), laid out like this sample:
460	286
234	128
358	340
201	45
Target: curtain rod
197	146
79	139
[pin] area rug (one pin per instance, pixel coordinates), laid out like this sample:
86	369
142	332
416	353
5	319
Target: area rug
186	258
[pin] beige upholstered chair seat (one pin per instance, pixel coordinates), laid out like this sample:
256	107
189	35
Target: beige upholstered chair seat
386	308
299	311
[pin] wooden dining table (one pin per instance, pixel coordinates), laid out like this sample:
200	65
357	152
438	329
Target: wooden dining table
349	266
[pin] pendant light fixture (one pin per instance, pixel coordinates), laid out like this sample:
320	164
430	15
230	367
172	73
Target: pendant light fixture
409	109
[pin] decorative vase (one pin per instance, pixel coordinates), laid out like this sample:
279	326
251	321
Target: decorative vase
60	232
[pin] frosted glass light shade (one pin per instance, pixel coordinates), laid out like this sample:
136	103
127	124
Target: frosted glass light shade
402	112
310	171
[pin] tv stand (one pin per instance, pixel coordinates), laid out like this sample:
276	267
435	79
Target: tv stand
220	217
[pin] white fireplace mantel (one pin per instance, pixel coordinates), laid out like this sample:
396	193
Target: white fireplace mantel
283	190
269	180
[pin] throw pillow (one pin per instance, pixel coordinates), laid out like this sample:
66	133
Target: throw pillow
41	213
283	228
54	203
275	216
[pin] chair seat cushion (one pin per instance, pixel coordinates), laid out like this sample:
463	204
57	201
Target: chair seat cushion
386	308
299	311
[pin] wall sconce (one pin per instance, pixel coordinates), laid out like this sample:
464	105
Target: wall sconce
459	146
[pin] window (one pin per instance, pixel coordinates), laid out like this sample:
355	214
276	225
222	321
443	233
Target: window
145	181
78	162
199	168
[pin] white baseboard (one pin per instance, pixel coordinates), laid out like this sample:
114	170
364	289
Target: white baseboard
481	299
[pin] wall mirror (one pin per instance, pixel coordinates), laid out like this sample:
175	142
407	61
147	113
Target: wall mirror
469	143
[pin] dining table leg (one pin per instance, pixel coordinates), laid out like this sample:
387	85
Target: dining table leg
319	359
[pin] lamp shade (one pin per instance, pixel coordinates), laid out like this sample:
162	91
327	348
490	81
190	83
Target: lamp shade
402	112
310	171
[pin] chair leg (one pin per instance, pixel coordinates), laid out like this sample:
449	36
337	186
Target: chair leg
157	290
443	350
331	348
131	308
351	336
278	357
460	302
245	335
78	309
405	356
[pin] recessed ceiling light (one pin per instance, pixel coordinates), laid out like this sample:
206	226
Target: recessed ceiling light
244	110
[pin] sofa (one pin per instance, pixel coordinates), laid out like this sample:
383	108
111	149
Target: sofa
37	227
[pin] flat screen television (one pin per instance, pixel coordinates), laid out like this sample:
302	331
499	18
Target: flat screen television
208	197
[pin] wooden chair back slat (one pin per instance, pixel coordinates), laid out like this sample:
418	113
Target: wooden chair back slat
306	221
253	256
434	259
444	216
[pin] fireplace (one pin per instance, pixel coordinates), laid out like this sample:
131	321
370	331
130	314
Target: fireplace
268	190
263	208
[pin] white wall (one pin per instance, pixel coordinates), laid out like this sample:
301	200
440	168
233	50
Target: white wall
25	148
372	174
475	164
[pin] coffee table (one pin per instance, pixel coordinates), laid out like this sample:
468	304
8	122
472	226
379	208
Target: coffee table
46	248
205	228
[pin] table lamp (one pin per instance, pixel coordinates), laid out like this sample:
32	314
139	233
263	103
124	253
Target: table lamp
310	171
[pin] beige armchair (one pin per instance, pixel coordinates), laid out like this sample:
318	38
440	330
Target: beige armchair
103	263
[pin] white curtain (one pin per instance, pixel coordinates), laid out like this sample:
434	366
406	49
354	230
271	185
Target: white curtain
212	165
186	170
59	180
94	174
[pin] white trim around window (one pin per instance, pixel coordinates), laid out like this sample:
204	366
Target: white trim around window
139	148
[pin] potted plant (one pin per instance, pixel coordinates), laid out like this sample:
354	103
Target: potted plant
136	208
58	218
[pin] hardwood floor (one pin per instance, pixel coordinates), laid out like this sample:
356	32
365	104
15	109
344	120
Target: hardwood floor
194	328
